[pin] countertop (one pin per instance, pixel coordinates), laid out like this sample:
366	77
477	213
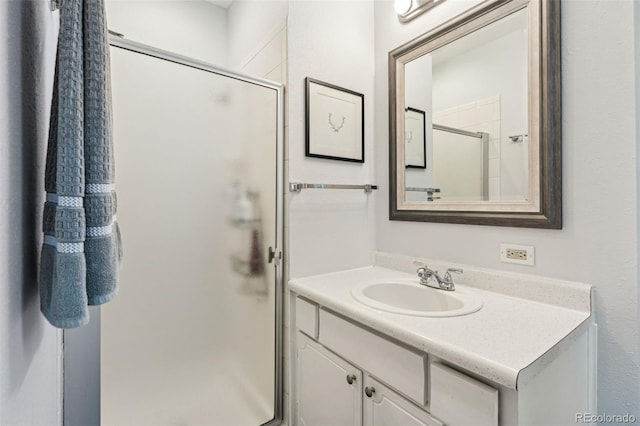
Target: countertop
509	337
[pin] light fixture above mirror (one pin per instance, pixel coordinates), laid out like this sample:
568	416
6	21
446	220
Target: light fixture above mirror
410	9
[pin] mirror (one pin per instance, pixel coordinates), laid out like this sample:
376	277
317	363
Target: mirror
475	131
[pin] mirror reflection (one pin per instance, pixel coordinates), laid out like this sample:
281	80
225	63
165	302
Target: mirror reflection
466	115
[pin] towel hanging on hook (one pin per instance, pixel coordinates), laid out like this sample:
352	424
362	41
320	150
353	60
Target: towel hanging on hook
81	252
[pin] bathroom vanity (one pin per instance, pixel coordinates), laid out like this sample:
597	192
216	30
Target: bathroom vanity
526	357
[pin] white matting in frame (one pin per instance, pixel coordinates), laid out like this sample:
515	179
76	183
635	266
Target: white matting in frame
334	122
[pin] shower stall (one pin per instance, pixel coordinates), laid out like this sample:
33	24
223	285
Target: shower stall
194	335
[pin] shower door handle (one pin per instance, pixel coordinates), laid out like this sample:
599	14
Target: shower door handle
274	255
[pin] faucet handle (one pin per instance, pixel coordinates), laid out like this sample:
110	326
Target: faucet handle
422	271
447	275
422	268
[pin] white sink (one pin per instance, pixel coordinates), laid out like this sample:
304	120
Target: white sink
408	297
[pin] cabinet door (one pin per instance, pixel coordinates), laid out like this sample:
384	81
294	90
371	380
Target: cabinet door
383	407
328	389
460	400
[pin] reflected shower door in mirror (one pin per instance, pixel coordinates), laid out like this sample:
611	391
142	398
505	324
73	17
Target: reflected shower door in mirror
485	89
475	92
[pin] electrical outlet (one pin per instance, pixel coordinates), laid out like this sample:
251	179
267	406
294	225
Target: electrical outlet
515	253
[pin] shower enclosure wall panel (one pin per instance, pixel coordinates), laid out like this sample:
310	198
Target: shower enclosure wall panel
190	337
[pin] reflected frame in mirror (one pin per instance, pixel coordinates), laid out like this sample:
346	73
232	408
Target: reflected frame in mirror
543	208
417	159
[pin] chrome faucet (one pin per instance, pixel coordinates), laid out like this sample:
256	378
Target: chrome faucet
430	278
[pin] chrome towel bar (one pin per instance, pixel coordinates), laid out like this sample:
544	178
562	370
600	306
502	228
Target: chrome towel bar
418	189
297	186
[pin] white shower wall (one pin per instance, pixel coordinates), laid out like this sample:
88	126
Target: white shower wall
194	28
252	24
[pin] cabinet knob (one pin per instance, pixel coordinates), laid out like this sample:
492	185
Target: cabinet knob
351	378
369	391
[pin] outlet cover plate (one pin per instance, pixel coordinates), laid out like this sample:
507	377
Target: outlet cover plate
516	253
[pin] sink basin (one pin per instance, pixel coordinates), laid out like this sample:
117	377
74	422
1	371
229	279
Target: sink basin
408	297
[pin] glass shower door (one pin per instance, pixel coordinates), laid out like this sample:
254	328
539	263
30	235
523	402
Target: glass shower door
459	166
191	337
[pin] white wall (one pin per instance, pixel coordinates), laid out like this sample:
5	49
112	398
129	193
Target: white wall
257	38
598	243
193	28
250	22
29	346
329	229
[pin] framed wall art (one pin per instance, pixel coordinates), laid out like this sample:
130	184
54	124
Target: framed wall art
334	122
415	155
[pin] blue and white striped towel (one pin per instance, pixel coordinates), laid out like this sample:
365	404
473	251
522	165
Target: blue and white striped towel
82	248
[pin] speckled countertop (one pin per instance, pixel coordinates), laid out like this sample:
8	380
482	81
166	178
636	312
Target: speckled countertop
511	336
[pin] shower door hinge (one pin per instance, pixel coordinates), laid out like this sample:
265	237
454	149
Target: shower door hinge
275	256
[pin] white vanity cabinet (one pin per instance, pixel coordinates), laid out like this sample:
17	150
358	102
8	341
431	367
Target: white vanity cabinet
526	358
347	375
332	392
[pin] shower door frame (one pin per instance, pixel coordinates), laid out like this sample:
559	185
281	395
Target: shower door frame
81	347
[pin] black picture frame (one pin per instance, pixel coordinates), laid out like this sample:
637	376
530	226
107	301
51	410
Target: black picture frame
320	138
421	115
